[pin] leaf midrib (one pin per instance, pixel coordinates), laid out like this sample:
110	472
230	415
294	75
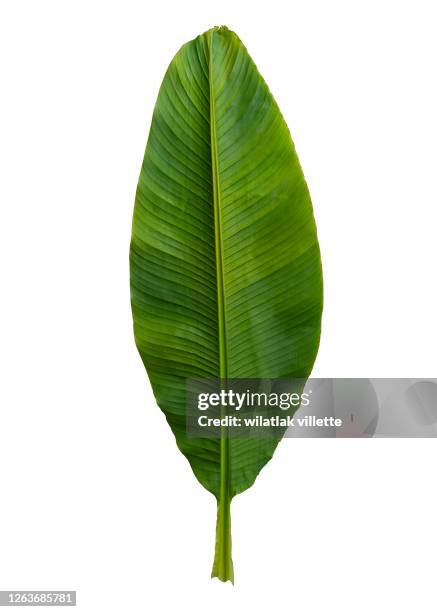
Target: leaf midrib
224	498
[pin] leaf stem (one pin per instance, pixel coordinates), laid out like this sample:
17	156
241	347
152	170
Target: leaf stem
223	568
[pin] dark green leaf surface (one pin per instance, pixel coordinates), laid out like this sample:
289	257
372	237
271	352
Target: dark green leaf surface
226	277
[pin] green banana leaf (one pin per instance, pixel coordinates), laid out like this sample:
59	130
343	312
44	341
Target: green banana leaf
226	277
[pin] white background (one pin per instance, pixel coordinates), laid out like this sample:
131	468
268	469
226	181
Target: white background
94	494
